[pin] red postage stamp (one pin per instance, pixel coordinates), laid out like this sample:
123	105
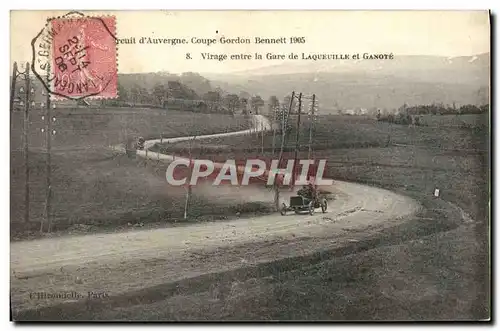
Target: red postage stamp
82	60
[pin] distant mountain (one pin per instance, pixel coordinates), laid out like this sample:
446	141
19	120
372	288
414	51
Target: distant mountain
420	66
342	84
195	81
371	83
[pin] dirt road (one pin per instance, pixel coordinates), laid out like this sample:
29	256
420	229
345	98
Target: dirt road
117	263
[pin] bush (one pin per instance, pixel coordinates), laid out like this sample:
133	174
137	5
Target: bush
403	119
386	118
417	120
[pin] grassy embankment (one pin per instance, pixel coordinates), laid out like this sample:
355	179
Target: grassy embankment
94	187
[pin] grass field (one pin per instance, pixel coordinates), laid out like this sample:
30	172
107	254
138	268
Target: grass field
334	132
92	185
435	267
456	160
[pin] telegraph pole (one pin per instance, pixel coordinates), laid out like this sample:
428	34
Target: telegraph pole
26	158
190	174
274	132
12	93
311	126
26	74
283	136
48	132
262	138
276	118
285	120
189	191
297	142
284	117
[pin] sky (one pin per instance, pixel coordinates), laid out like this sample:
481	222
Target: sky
451	33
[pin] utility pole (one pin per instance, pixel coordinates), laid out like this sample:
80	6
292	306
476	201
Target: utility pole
297	142
311	126
262	138
274	137
189	191
284	118
190	174
12	93
275	119
283	136
285	122
26	74
26	158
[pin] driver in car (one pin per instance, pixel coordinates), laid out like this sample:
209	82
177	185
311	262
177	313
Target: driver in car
307	191
140	143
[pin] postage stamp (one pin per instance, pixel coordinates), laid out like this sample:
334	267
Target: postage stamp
75	56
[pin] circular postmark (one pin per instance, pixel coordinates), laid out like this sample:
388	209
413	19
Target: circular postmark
75	56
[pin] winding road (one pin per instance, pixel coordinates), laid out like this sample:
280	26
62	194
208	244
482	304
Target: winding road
117	263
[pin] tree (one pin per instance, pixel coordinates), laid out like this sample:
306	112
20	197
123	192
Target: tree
244	106
135	94
123	94
244	101
160	93
273	105
144	96
232	102
177	90
212	98
219	90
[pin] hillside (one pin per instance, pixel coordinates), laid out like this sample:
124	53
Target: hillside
199	84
